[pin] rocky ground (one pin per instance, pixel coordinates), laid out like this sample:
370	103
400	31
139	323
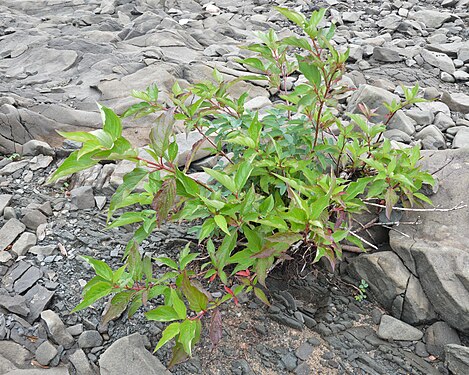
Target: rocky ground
57	58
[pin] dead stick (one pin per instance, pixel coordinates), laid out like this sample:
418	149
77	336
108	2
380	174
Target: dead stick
457	207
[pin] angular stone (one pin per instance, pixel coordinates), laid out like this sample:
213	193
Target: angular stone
457	359
458	102
43	250
24	243
57	329
37	371
385	274
438	60
14	274
436	250
416	308
9	213
35	147
90	339
83	197
5	200
432	18
443	121
10	230
38	298
13	167
33	219
45	353
80	363
16	304
40	162
461	139
27	280
432	138
393	329
386	54
15	353
437	336
257	103
127	354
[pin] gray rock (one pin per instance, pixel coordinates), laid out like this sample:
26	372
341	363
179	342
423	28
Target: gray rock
127	354
33	219
27	280
81	364
24	243
443	121
5	200
421	117
100	201
83	197
304	351
373	98
436	251
458	102
38	298
40	162
90	339
386	54
76	329
437	336
401	122
9	213
10	230
432	18
461	75
416	308
257	103
457	359
35	147
13	167
15	355
393	329
290	361
432	138
45	353
57	329
37	371
438	60
461	139
43	250
16	304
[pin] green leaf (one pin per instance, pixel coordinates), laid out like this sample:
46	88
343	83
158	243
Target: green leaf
423	198
78	136
207	228
357	187
127	218
391	199
162	314
104	138
221	222
254	62
242	174
293	16
111	122
100	267
188	259
310	71
99	290
167	262
222	178
130	182
178	304
118	304
72	165
197	300
187	335
169	333
261	295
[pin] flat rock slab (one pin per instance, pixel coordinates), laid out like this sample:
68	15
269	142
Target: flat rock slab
436	250
394	329
457	359
127	354
10	230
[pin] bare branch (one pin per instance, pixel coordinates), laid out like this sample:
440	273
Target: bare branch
457	207
363	240
398	231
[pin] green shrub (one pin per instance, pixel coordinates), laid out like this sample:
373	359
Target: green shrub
289	180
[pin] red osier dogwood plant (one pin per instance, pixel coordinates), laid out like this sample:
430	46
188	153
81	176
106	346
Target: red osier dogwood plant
283	179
